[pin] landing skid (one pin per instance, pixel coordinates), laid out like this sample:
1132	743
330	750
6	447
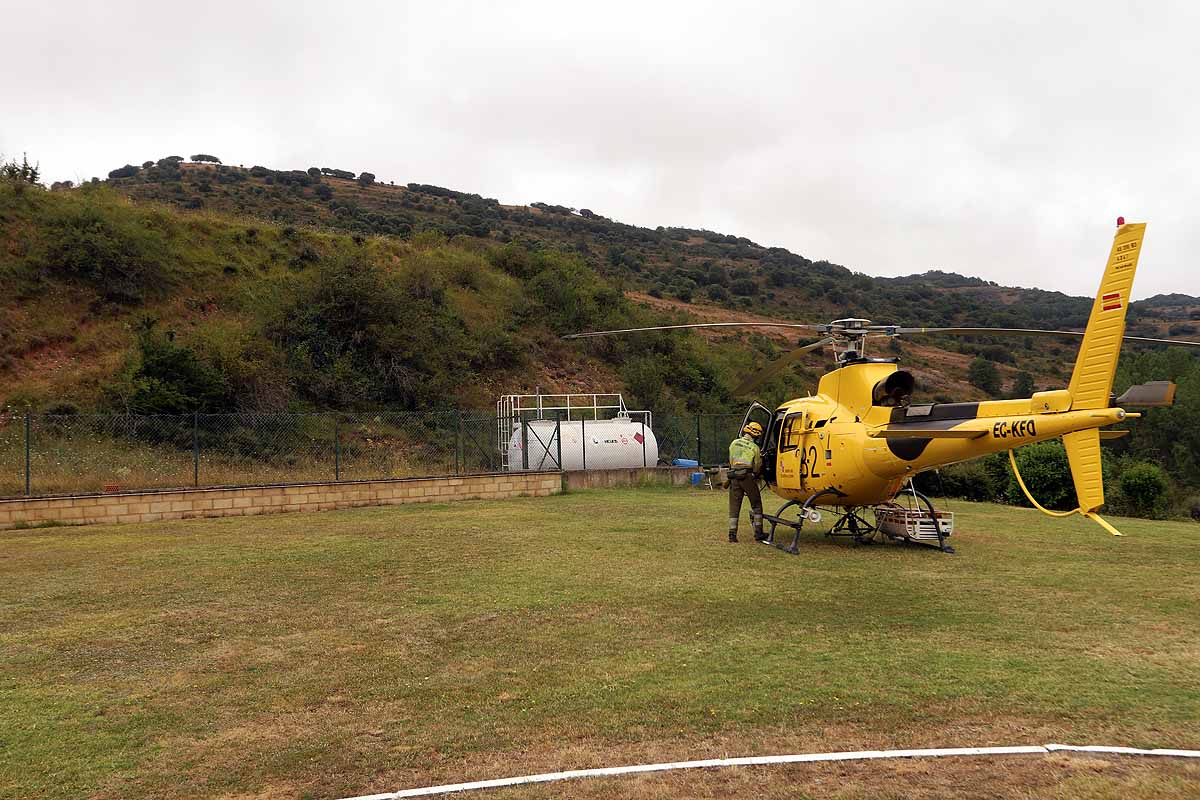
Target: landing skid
777	519
851	524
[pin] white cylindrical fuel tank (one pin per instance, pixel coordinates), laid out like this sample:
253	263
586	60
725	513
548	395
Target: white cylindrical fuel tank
609	443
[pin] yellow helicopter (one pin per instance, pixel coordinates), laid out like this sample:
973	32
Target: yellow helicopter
857	443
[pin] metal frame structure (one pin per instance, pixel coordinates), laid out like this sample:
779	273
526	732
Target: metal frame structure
514	409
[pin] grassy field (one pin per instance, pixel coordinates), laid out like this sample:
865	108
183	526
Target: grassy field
362	651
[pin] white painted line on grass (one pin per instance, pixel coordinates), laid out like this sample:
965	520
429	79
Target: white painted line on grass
749	761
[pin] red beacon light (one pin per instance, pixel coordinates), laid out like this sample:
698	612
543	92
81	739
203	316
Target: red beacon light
1120	221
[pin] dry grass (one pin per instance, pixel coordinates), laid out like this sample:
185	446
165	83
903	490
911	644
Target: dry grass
1053	776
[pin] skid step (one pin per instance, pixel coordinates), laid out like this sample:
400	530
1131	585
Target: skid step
781	521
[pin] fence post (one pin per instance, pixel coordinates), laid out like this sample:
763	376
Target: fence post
524	445
583	438
699	450
457	438
643	445
558	436
27	454
195	448
337	449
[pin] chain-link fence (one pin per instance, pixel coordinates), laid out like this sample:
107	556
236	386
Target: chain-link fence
700	437
43	454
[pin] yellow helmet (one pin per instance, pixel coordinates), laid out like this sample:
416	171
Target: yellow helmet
753	428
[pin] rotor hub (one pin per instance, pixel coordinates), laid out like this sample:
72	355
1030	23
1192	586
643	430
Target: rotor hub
848	335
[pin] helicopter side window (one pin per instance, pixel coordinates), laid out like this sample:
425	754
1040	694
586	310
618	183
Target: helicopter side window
792	430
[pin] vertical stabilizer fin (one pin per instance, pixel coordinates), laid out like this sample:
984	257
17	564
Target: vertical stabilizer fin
1091	382
1083	453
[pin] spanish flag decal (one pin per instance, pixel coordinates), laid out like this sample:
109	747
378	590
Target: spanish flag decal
1111	302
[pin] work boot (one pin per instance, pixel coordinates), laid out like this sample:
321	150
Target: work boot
732	537
759	536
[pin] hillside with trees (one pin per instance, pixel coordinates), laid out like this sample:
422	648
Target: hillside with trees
190	285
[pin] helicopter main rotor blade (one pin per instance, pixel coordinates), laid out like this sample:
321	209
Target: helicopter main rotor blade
888	329
800	325
753	381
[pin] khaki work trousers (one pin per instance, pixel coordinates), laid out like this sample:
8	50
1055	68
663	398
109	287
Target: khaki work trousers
745	486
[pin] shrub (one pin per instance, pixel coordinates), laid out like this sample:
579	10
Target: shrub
169	378
315	172
744	287
1047	473
103	244
683	291
983	374
717	293
293	177
206	157
366	179
995	352
127	171
1145	488
355	332
982	480
1022	385
61	408
322	191
513	259
572	296
147	164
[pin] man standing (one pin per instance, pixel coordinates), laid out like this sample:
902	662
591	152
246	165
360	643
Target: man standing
745	464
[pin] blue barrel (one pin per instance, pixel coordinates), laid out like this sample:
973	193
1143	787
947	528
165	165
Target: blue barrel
697	478
685	462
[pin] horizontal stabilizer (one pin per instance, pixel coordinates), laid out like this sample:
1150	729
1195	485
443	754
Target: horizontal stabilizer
908	432
1106	436
1155	394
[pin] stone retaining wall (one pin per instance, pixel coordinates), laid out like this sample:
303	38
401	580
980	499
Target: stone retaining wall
634	476
240	501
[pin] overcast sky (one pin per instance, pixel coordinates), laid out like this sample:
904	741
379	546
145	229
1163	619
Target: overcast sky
993	139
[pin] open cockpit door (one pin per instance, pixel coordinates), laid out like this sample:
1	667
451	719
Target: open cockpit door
757	413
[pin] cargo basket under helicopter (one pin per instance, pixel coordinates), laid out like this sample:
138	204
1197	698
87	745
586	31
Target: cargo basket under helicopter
899	522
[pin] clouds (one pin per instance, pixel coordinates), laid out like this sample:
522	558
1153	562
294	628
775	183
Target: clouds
993	139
